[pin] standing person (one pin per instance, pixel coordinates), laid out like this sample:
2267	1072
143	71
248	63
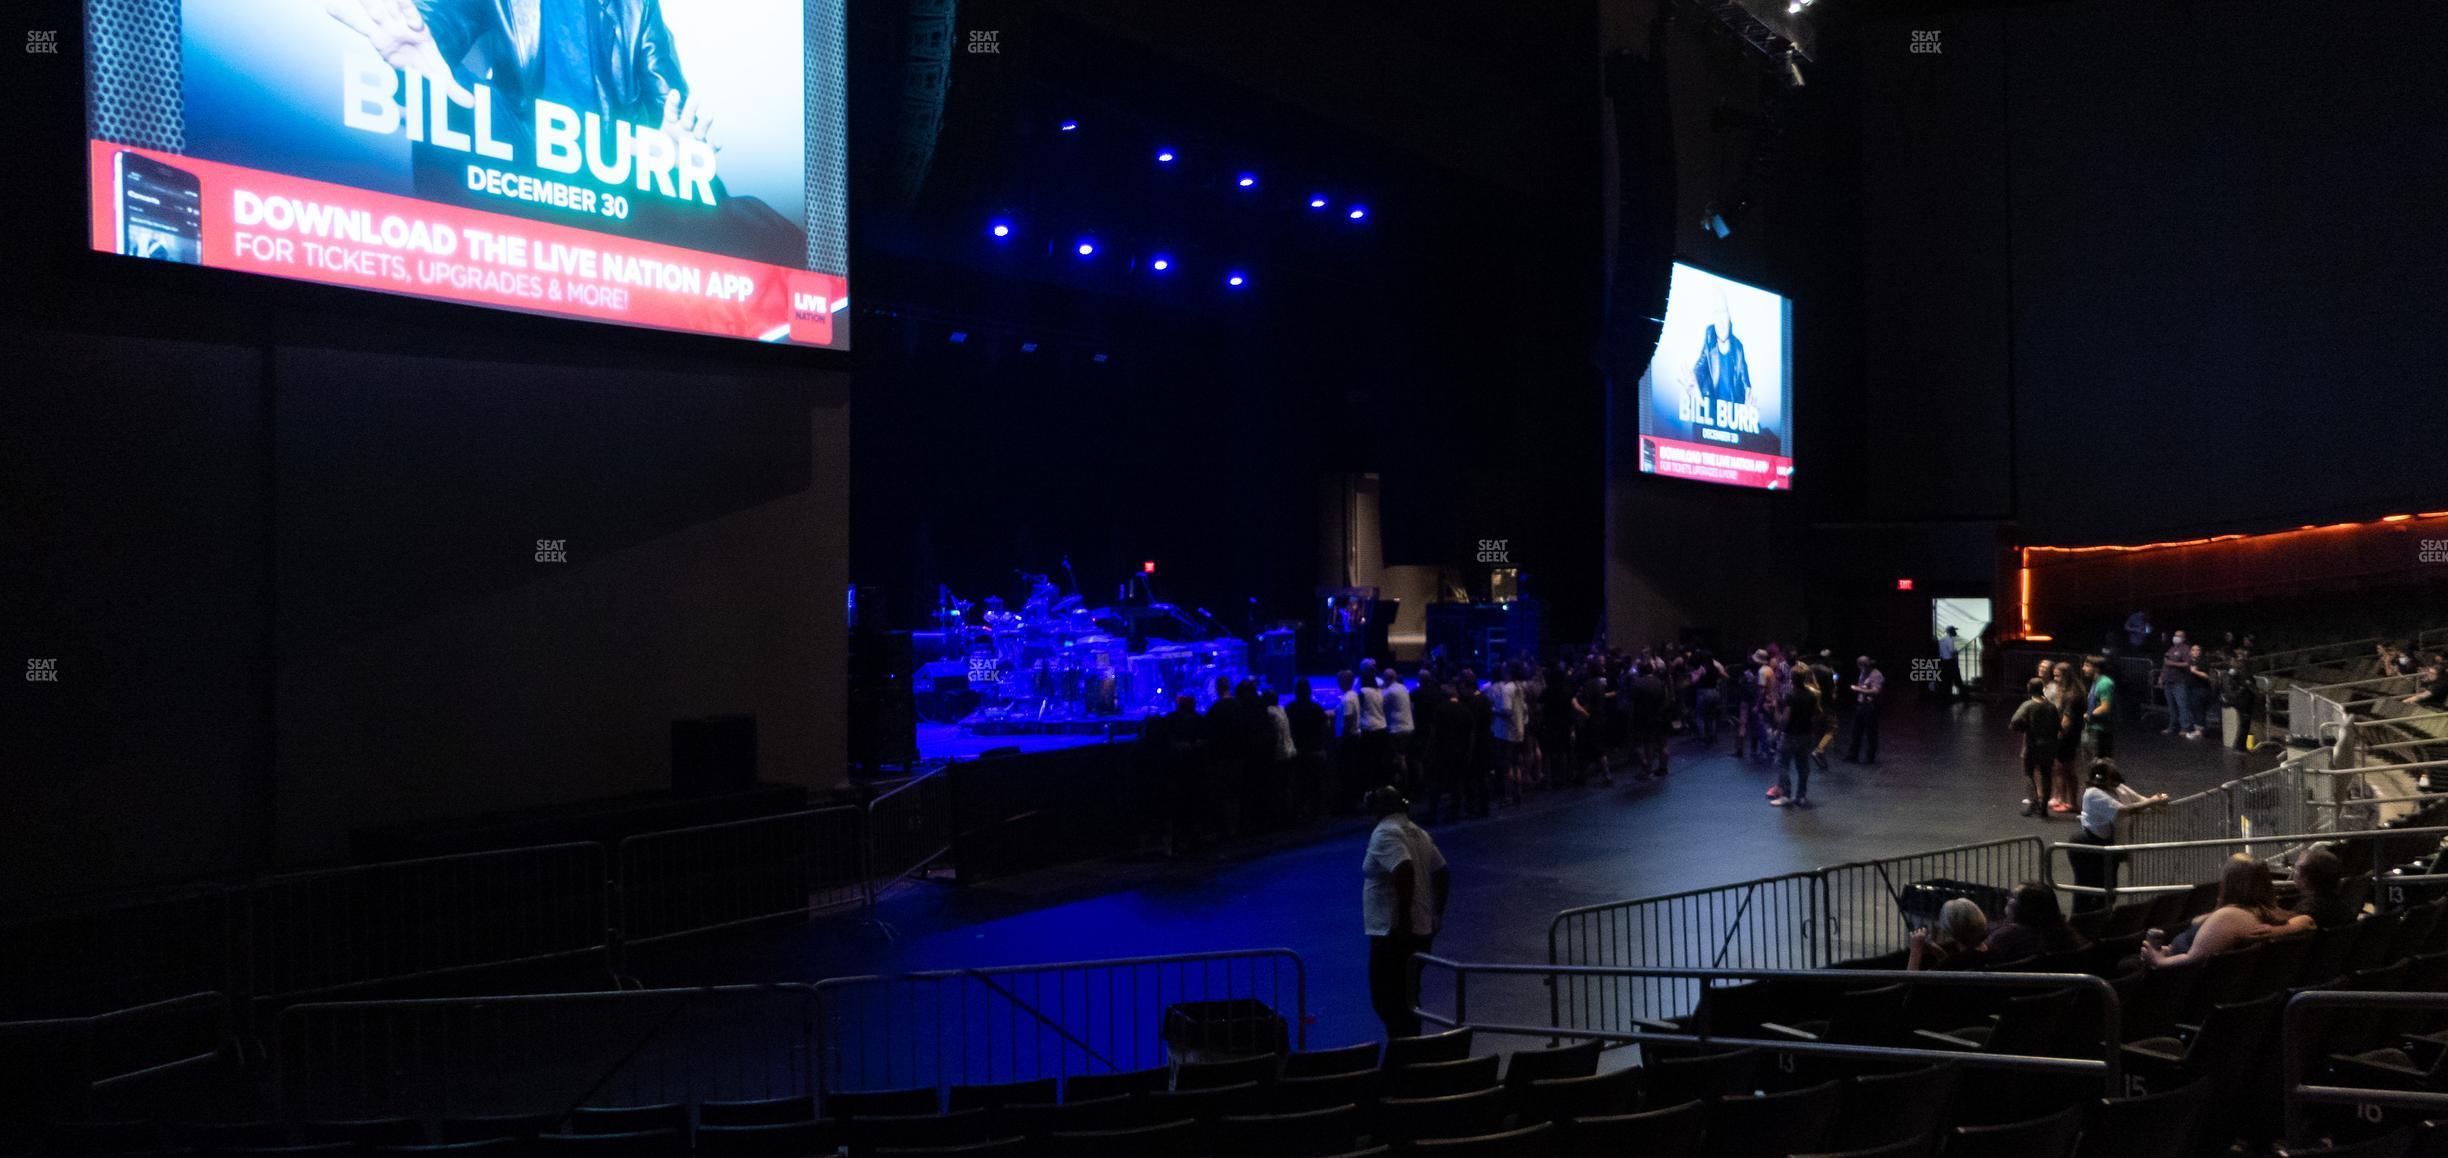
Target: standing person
1401	726
1950	667
1707	677
1349	756
2104	803
1651	708
2072	702
1228	752
2100	709
1555	722
2176	686
1590	728
2039	721
1869	687
1745	684
1403	886
1504	696
1283	768
1450	728
1171	742
1823	676
2239	690
2198	682
1800	715
1313	738
1483	725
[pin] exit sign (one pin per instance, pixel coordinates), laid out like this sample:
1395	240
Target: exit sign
1903	584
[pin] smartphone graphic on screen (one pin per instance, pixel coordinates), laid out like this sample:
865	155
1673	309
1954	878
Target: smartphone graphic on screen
161	210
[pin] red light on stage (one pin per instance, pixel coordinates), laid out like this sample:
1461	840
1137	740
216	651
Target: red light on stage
1148	568
1903	584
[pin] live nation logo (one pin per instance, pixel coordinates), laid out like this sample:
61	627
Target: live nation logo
42	671
552	551
42	41
1925	41
1495	551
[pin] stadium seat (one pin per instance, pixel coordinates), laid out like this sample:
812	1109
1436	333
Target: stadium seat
1309	1134
878	1103
866	1135
1000	1148
1917	1147
1878	1109
2224	980
1596	1096
1297	1095
226	1135
1091	1087
2049	1137
487	1148
996	1095
481	1128
1436	1079
628	1119
1239	1071
1045	1119
1451	1045
1174	1139
2154	1000
2281	962
1675	1079
2331	948
1532	1065
761	1112
2149	1126
1672	1132
2219	1049
769	1140
1773	1125
1371	1152
2390	1145
1405	1120
1205	1105
364	1131
1537	1140
1315	1063
636	1144
1854	1017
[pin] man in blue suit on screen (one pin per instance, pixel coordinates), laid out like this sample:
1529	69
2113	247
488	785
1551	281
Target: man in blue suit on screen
1721	373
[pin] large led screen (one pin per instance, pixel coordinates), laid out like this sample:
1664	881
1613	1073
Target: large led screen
1716	403
676	164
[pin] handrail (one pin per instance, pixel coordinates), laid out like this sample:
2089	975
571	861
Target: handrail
2297	1092
1047	966
85	1029
2256	838
2108	1066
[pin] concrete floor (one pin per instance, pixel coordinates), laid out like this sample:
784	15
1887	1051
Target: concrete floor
1948	776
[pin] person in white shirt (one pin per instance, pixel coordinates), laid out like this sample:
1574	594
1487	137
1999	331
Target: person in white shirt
1399	725
2104	803
1403	886
1360	726
1950	670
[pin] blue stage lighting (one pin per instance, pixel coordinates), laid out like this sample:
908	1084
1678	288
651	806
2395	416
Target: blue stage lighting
1028	347
1086	247
1161	263
1164	156
1000	229
959	336
1317	201
1235	279
1248	180
1068	126
1358	212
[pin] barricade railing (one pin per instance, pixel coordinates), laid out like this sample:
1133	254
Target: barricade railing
2299	1037
2106	1065
1020	1023
909	828
1864	902
1771	923
717	876
434	1057
2364	852
100	1065
319	932
140	950
1803	920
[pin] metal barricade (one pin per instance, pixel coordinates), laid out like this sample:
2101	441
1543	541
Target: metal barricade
115	953
435	1057
2101	1000
1771	923
908	829
107	1064
2364	852
717	876
1861	902
323	931
1035	1021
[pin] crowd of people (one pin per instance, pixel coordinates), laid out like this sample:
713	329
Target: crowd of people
1461	743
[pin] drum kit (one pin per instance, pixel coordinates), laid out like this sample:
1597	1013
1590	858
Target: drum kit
1058	661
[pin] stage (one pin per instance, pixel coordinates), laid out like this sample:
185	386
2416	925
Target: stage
962	741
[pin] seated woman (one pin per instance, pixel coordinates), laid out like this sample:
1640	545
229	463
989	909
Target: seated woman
2319	877
1955	943
2247	911
2034	925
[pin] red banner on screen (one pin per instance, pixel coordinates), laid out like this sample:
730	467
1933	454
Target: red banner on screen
1716	464
267	223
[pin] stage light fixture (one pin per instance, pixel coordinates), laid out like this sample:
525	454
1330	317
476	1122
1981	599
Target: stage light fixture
959	336
1164	156
1028	347
1000	229
1070	126
1235	279
1317	201
1161	263
1357	212
1247	180
1087	248
1099	359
